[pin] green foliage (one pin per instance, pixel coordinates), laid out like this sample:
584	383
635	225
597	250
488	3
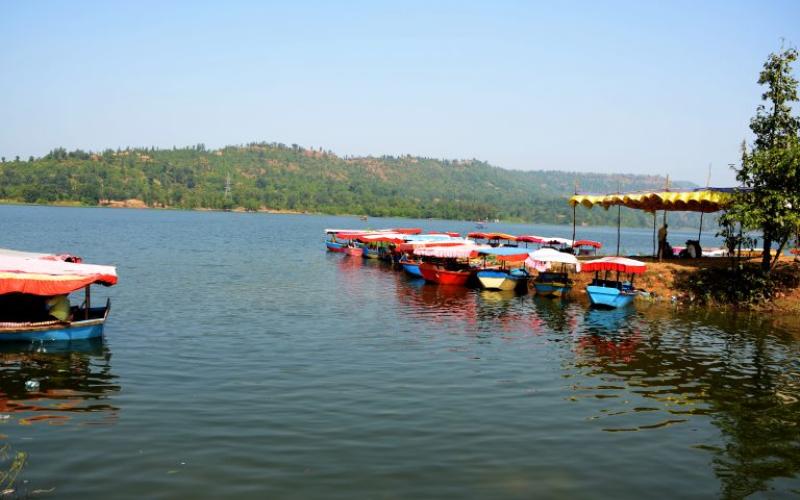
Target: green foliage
275	176
741	286
772	169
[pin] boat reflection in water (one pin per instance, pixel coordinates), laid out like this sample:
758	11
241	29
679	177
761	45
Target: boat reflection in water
654	369
55	381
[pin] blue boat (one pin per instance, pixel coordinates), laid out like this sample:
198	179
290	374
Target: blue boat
503	278
46	331
334	246
550	284
610	296
616	293
34	297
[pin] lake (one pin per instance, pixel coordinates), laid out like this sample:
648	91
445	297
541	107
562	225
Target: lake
242	360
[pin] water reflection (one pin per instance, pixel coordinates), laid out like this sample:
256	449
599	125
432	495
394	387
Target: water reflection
54	381
654	369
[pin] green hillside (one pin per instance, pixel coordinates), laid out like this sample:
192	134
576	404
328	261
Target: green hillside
276	176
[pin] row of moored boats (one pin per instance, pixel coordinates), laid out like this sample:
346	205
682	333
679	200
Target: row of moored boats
495	261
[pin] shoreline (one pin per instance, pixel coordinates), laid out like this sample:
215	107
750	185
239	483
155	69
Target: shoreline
130	204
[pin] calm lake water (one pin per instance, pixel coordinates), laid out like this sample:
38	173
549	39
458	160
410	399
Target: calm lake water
241	360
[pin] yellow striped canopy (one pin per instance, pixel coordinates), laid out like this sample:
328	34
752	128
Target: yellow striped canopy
704	200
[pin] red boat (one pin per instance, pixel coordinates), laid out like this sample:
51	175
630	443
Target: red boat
440	275
354	251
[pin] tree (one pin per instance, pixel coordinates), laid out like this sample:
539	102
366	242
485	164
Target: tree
771	170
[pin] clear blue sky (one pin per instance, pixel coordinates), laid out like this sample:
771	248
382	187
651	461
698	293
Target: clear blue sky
642	86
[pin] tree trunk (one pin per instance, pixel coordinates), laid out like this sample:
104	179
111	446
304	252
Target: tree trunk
766	258
780	251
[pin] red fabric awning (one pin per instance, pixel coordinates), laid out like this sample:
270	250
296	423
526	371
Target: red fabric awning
587	243
47	276
620	264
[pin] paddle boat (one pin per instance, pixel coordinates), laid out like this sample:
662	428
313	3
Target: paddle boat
586	247
448	265
553	279
612	293
34	304
502	276
404	252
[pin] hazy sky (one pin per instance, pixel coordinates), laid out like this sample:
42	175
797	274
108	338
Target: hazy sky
644	86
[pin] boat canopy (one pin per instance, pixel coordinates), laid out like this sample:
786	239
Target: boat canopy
544	256
509	254
695	200
491	236
50	274
587	243
620	264
448	233
450	252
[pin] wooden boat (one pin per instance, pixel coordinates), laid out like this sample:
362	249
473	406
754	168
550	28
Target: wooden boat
553	266
30	283
615	293
411	266
499	272
448	265
353	250
586	247
549	284
334	246
441	275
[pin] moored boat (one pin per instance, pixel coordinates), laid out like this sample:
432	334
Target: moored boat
447	265
503	274
553	279
34	297
615	293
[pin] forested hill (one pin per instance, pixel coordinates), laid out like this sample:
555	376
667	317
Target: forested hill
279	177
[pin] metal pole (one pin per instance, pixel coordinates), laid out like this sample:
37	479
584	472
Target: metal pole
655	218
619	223
699	233
574	212
88	301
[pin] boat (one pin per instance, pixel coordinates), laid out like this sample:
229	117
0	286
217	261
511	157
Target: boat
448	265
501	276
411	266
614	293
553	279
586	247
353	250
34	290
405	251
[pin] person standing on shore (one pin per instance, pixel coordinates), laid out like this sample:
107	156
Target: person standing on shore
662	241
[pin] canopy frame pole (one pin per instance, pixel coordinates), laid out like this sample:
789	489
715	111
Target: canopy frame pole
655	220
619	223
574	217
708	183
88	301
574	213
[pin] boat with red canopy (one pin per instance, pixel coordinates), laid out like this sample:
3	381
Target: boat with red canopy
607	293
34	290
448	265
586	247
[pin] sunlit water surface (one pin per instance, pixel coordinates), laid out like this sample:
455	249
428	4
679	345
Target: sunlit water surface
241	360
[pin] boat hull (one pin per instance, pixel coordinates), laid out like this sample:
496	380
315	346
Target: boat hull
501	280
354	251
334	247
412	269
608	297
552	289
440	276
371	253
76	330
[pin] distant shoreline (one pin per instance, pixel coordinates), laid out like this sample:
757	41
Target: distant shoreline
140	205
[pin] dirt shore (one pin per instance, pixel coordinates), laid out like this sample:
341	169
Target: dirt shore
662	280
